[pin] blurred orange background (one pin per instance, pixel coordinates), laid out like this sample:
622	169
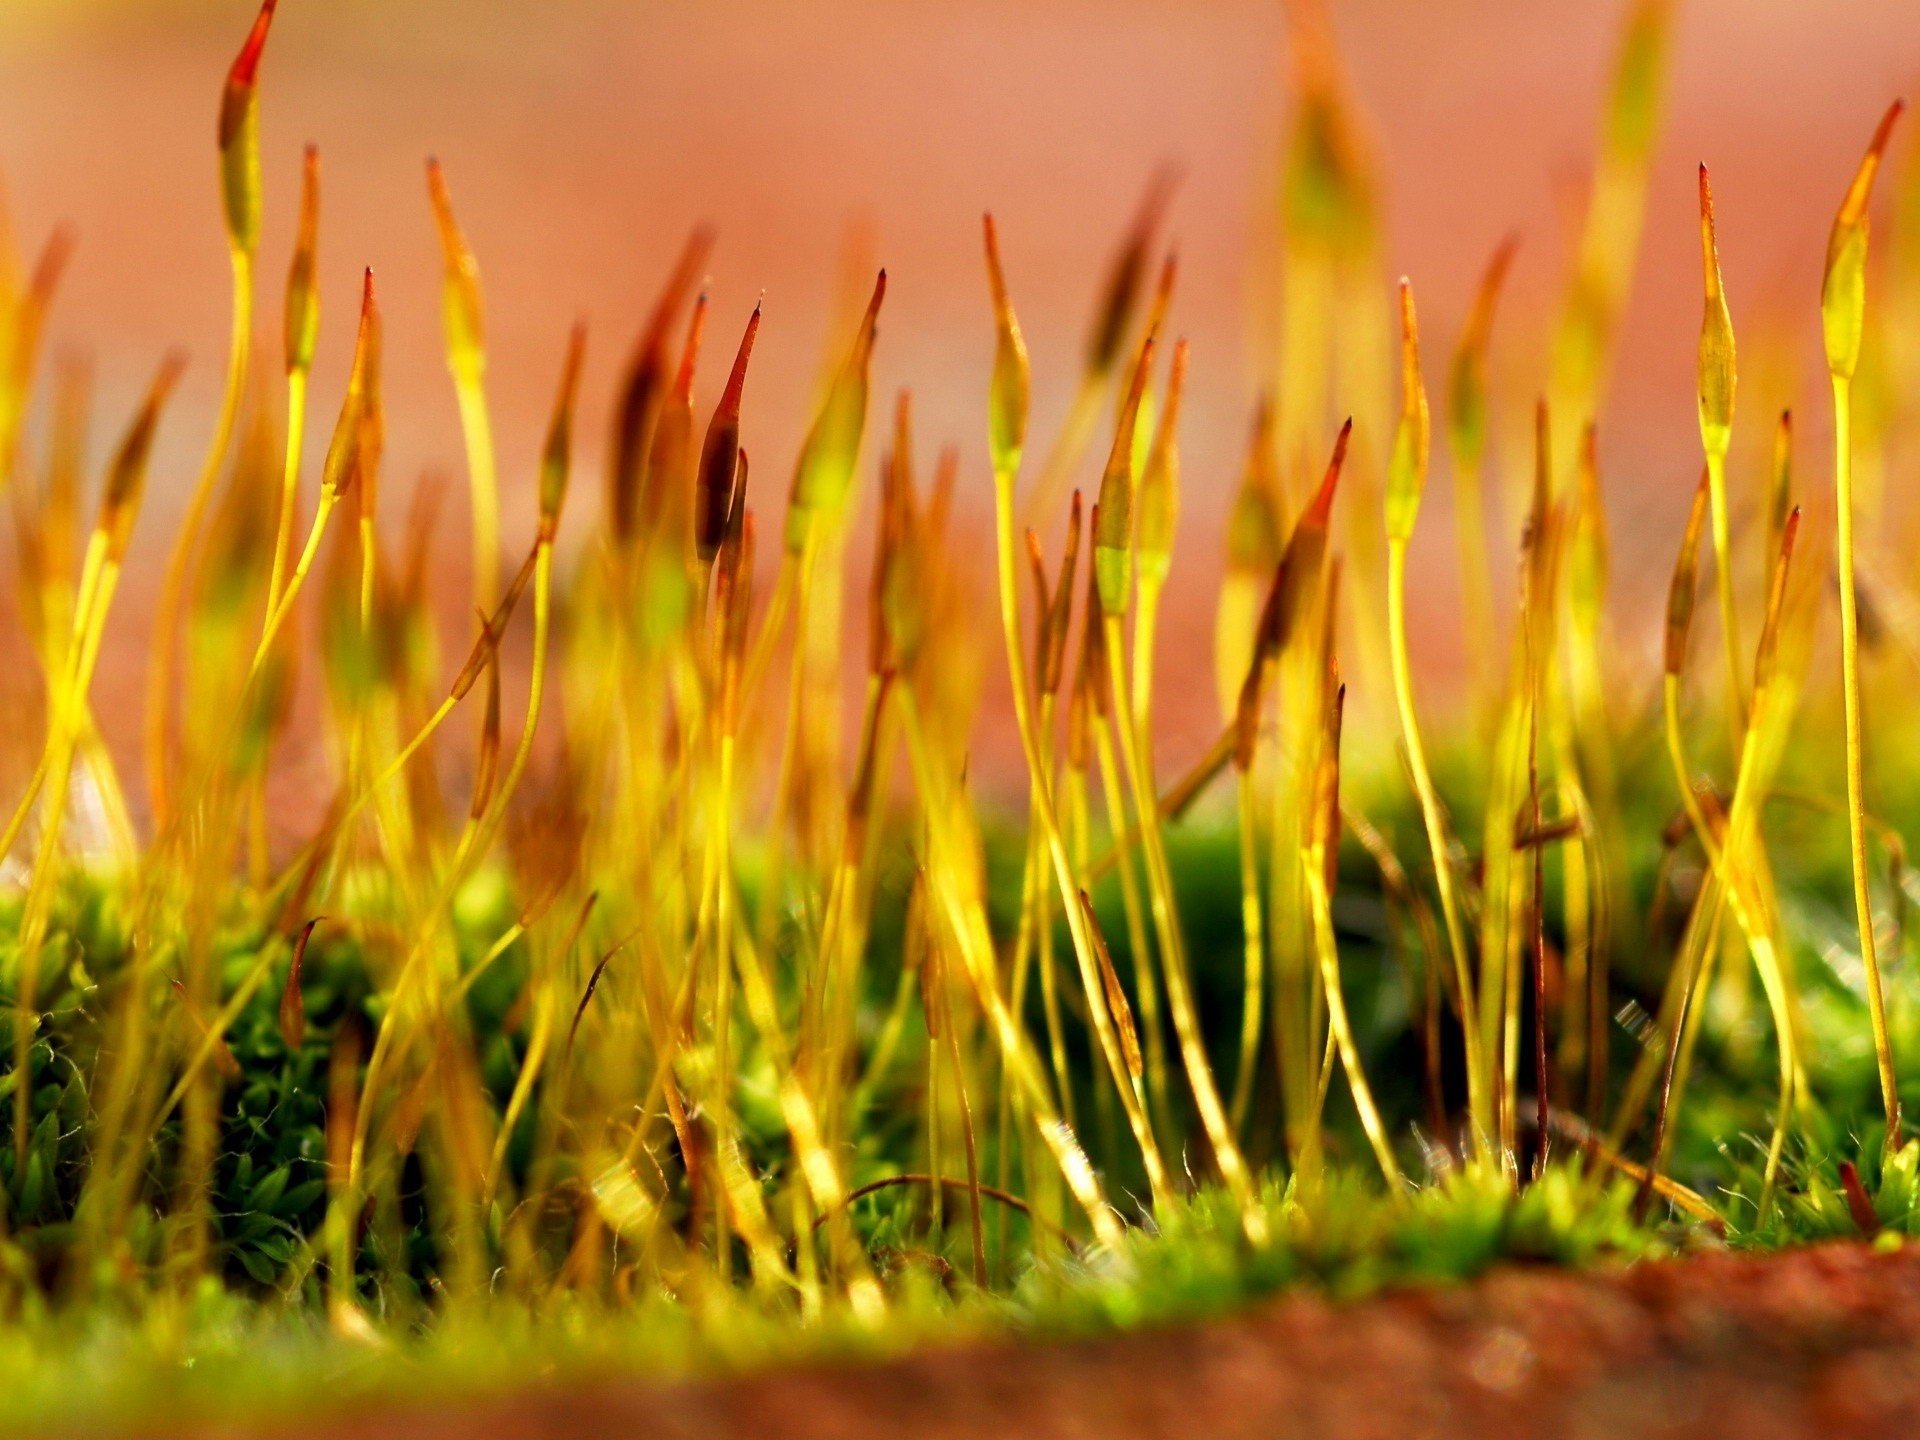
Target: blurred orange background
583	138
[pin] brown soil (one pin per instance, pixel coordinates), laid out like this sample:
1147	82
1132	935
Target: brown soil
1820	1342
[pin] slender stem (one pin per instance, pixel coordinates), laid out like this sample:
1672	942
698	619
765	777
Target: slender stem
723	970
1056	844
1180	1004
1723	587
483	481
1254	951
1856	782
277	613
1479	1096
1726	862
1146	629
1148	988
967	923
297	381
166	628
1338	1025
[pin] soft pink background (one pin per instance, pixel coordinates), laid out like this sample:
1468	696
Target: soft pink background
584	137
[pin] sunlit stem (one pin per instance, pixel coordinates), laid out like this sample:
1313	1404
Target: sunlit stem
1479	1089
1114	790
537	681
483	481
369	563
1728	862
1056	843
1146	627
173	585
1254	952
1856	782
771	625
968	926
1339	1026
277	613
474	840
1180	1003
975	1229
722	946
1723	588
297	383
1039	921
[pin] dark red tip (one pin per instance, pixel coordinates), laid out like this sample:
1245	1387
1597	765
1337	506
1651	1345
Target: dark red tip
246	65
1321	509
737	377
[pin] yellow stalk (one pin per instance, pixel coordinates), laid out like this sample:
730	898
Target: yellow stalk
1319	864
1717	375
464	320
1007	428
303	326
165	642
1253	953
1406	479
239	138
1843	300
1180	1004
951	840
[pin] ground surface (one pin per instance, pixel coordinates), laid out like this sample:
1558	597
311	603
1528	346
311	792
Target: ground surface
1819	1342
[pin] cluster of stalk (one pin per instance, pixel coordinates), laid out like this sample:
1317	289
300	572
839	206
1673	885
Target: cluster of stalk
749	955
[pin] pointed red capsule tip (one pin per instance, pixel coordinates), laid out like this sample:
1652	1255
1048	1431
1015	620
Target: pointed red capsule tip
246	65
1885	130
737	377
1321	509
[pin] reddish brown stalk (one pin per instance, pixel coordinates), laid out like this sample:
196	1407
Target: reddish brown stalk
293	1007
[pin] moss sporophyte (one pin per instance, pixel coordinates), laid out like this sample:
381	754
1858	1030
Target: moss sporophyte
675	985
